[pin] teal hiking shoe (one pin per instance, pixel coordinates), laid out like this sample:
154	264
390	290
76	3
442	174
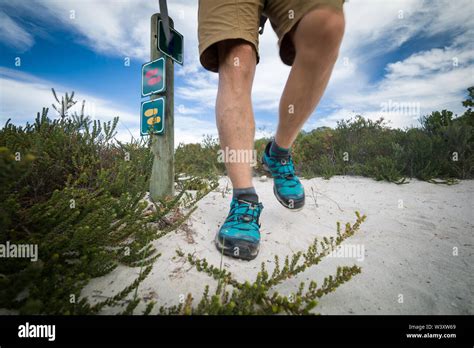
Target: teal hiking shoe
286	186
239	236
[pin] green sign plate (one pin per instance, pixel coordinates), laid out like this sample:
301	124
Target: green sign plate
152	117
154	77
175	48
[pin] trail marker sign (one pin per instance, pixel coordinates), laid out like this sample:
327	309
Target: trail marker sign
174	49
154	77
153	116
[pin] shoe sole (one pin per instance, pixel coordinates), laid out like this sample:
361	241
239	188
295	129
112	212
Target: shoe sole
238	249
297	205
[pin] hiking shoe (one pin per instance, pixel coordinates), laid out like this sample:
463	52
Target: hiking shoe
286	186
239	236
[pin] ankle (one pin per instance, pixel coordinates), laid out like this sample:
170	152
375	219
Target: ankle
247	193
277	150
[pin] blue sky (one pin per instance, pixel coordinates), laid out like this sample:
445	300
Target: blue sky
399	59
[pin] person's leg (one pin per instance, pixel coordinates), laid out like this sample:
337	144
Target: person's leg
228	45
239	235
316	40
311	47
234	115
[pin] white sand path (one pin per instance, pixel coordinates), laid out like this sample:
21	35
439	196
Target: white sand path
418	245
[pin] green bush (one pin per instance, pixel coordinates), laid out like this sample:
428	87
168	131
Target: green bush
199	160
441	148
75	193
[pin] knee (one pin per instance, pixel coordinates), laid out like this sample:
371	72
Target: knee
237	61
320	34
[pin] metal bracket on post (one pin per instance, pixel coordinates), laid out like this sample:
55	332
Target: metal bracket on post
162	146
166	21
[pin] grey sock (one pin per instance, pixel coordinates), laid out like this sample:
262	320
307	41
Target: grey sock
278	151
247	193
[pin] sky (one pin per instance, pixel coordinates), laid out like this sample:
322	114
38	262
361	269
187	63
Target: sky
399	59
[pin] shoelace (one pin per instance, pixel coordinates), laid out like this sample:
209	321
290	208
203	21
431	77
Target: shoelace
250	214
287	169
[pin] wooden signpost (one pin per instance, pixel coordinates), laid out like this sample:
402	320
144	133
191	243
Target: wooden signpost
162	136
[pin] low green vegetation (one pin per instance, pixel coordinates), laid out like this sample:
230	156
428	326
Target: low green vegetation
439	151
80	196
260	297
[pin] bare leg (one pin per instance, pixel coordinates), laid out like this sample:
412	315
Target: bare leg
317	39
235	119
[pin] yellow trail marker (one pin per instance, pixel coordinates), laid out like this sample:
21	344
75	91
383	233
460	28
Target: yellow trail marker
151	112
153	120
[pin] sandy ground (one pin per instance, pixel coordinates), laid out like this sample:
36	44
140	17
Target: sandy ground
417	242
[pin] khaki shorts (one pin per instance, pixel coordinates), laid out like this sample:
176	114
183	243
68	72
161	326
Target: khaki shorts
220	20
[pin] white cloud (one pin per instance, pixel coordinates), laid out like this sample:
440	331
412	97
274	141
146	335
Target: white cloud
12	34
387	23
374	29
120	28
427	78
435	60
192	129
36	94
